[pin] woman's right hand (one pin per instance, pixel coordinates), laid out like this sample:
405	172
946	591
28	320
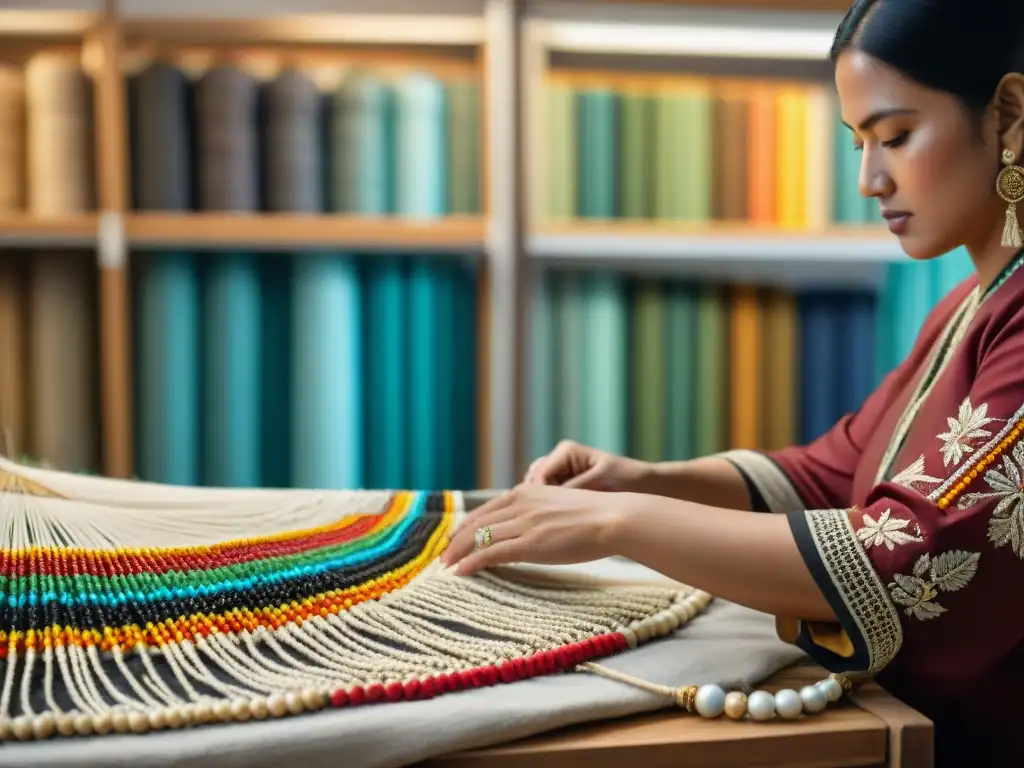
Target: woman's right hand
579	466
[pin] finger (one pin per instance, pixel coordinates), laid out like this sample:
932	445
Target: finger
500	501
508	551
534	473
589	480
465	546
464	536
556	464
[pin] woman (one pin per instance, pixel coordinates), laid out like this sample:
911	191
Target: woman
898	542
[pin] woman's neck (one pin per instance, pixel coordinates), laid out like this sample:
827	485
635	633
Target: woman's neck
990	258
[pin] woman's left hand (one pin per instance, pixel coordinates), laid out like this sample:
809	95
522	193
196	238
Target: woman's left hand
546	524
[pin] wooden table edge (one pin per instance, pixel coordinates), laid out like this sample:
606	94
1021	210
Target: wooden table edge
872	728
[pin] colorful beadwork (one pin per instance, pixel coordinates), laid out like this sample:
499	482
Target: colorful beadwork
131	607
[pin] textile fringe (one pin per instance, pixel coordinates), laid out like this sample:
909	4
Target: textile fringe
128	607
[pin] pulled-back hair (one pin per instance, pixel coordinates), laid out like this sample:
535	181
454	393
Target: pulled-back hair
960	47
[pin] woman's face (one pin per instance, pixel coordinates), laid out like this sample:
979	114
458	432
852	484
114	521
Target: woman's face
932	177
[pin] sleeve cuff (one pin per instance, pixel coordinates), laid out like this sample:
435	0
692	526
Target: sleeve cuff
869	633
771	490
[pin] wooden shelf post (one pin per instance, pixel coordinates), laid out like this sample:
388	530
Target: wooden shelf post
112	173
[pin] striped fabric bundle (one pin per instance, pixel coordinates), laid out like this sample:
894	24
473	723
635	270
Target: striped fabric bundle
228	146
160	106
294	144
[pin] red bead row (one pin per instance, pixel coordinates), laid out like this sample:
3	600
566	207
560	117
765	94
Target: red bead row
509	671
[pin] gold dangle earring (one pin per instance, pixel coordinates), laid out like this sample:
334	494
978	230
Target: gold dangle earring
1010	186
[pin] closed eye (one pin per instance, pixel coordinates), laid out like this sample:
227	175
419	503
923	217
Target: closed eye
890	144
898	141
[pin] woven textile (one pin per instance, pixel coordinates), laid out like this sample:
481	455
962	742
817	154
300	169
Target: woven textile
133	608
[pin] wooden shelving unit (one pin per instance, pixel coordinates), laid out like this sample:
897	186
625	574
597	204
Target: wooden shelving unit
65	231
297	232
507	43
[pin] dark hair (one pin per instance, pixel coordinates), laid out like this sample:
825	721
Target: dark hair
960	47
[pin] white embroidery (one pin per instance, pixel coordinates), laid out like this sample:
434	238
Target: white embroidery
914	475
963	430
887	531
948	572
1007	523
988	447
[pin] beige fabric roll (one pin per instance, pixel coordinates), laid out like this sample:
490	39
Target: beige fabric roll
58	101
12	139
12	355
62	360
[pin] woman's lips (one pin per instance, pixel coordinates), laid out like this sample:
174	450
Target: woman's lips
897	221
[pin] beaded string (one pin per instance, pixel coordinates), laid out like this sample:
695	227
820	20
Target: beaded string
129	607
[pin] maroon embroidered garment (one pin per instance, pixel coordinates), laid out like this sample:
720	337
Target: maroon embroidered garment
910	515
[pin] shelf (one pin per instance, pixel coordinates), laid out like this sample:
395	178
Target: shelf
839	6
841	256
352	29
36	23
295	231
40	232
683	40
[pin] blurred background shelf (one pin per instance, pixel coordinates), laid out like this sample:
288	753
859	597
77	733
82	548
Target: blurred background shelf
417	242
299	232
839	257
24	230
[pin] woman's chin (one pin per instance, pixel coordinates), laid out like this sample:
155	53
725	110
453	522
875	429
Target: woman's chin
920	250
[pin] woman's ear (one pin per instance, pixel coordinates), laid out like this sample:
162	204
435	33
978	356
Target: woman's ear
1010	108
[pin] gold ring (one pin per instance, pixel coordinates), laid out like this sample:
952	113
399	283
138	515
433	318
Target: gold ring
483	537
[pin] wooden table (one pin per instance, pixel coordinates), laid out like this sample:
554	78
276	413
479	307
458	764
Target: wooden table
871	729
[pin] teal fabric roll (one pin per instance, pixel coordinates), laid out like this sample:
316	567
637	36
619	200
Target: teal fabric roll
166	285
326	402
541	437
167	370
231	372
277	372
386	373
422	186
849	205
363	146
605	376
464	394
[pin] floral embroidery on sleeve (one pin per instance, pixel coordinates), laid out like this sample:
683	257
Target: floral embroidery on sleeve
967	427
1006	525
948	572
913	477
887	530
